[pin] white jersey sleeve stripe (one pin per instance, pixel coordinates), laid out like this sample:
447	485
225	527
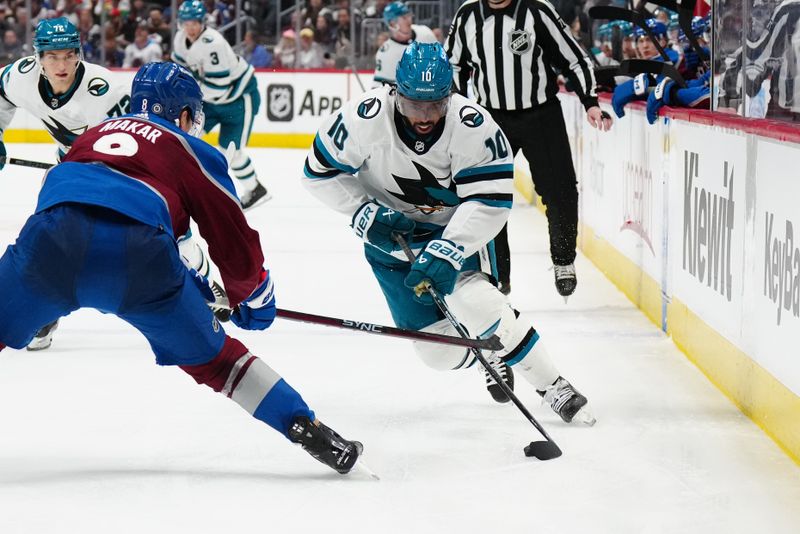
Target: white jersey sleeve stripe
326	160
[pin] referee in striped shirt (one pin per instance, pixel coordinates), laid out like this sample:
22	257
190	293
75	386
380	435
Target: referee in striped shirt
509	49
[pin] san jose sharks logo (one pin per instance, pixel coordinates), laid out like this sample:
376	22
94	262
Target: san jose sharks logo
369	108
97	86
26	65
63	135
427	193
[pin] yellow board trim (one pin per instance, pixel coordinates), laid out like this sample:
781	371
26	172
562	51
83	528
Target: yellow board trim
758	394
271	140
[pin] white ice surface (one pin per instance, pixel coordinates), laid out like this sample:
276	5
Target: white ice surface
98	439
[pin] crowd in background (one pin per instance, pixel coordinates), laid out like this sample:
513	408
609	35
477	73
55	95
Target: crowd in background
307	34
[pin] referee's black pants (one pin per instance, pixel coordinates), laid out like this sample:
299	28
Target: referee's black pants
541	134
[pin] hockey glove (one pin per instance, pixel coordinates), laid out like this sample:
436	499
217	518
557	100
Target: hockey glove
635	89
438	265
668	93
258	311
3	153
375	224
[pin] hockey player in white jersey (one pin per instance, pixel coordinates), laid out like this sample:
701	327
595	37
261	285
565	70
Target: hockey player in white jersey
436	168
69	96
230	92
402	32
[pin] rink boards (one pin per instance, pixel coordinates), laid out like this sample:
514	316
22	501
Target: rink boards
692	218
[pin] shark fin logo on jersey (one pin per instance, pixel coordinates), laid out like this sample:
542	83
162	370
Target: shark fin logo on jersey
470	117
369	108
427	194
207	39
519	41
26	65
61	133
98	86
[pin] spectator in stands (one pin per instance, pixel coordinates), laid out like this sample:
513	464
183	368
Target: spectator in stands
142	50
325	32
286	51
311	12
255	54
343	46
159	29
20	22
12	47
311	55
114	51
90	35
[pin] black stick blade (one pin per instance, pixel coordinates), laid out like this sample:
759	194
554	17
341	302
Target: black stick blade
543	450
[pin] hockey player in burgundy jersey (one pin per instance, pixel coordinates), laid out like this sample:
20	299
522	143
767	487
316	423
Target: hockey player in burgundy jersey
103	236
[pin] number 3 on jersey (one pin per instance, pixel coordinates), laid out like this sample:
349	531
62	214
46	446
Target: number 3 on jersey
338	133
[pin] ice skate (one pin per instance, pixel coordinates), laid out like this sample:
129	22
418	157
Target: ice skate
325	445
44	337
566	280
505	373
221	307
567	402
254	197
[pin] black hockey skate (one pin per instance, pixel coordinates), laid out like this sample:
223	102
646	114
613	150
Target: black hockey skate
505	373
253	198
566	280
44	337
221	307
566	401
325	445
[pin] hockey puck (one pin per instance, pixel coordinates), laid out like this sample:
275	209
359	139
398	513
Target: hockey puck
542	450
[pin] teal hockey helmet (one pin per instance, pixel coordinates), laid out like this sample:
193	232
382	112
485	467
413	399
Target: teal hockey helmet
424	72
394	10
192	10
56	34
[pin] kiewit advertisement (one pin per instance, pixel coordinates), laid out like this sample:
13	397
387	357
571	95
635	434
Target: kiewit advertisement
707	223
774	316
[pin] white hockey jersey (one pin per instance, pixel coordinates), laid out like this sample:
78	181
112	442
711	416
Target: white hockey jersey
460	178
92	99
222	74
388	55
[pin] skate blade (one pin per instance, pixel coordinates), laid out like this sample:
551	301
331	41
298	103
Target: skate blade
39	344
566	300
258	202
364	469
585	416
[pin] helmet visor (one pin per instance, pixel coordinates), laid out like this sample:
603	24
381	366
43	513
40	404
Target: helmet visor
422	110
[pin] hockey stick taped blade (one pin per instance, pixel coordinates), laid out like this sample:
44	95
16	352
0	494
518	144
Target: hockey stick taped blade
543	450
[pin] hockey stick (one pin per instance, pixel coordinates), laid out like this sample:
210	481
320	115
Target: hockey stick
684	11
619	13
492	343
632	67
25	163
543	450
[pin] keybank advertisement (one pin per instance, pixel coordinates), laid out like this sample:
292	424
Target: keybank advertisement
775	315
291	102
707	224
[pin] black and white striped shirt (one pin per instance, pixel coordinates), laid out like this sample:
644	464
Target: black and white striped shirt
510	54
